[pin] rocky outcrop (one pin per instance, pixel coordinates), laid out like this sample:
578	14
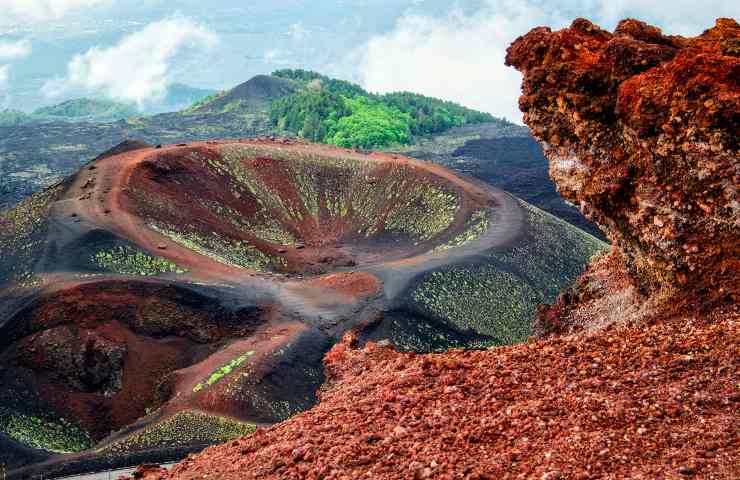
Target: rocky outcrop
641	130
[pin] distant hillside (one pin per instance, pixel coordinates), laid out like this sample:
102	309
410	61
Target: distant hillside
326	110
178	96
11	118
87	109
341	113
253	96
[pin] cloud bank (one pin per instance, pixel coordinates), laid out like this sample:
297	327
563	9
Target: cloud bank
137	69
14	50
43	10
3	78
461	56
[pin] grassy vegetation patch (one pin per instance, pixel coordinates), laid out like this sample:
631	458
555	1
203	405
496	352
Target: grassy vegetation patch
183	429
22	229
474	228
52	435
498	295
223	250
130	261
223	371
481	298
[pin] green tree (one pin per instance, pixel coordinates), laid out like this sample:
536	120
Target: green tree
370	125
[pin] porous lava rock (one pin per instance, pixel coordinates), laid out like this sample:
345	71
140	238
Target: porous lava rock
641	130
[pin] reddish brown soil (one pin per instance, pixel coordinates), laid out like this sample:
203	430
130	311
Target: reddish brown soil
89	345
640	401
352	284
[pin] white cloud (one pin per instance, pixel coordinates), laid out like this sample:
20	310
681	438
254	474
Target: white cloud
10	51
460	57
137	69
14	50
276	56
4	74
43	10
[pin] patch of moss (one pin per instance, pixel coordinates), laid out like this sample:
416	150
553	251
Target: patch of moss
52	435
182	429
130	261
223	371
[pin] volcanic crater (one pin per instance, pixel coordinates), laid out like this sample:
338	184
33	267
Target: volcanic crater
202	284
278	209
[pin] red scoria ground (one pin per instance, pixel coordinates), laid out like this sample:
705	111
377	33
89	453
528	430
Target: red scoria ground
637	401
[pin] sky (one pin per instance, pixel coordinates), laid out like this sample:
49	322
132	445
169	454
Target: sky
133	50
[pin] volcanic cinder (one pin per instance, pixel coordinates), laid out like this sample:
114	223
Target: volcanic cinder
202	284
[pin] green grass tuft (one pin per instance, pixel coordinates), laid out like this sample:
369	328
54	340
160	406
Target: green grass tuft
181	430
129	261
223	371
52	435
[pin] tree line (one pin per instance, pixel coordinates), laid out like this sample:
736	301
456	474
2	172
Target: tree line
341	113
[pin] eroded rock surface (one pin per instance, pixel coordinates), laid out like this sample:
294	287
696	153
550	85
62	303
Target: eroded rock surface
641	130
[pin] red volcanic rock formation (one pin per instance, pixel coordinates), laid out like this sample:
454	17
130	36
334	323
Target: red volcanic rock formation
641	130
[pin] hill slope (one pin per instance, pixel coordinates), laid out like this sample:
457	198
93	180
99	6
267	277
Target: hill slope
87	109
252	96
340	113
